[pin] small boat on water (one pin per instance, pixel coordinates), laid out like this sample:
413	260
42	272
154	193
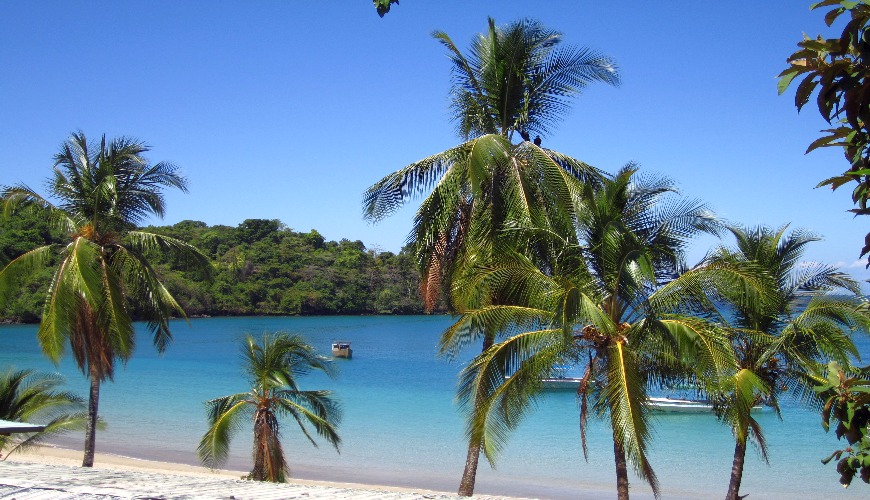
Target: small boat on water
341	349
671	405
560	384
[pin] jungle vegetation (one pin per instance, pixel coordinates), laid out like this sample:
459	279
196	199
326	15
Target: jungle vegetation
260	267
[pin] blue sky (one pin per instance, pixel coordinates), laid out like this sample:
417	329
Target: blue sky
290	110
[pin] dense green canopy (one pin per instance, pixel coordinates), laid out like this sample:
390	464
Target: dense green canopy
261	267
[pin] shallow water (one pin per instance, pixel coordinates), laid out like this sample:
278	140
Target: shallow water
401	426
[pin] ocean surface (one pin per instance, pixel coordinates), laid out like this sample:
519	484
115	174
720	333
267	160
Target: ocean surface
401	426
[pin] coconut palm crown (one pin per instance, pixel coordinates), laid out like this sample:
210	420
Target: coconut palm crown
519	78
101	193
813	311
516	78
273	367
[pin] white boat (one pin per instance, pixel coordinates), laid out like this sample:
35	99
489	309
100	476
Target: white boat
341	349
671	405
560	384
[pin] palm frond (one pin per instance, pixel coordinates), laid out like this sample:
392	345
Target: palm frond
391	192
624	398
497	387
15	197
21	267
29	396
225	417
316	408
700	345
490	320
145	242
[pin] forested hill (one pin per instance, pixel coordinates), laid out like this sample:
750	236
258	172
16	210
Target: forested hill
260	268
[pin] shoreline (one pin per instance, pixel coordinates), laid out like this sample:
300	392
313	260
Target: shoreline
52	455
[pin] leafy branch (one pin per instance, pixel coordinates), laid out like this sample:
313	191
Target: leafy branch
838	71
847	401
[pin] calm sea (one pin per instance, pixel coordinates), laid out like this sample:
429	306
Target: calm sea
401	426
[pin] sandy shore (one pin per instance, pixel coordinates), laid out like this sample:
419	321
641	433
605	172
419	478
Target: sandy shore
47	455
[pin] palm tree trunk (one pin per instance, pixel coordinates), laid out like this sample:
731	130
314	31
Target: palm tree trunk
91	429
621	470
737	468
261	429
469	475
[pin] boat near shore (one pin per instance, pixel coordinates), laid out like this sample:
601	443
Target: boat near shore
560	384
341	349
671	405
656	404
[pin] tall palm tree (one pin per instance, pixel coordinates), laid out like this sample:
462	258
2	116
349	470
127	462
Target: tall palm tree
778	342
613	303
103	193
515	78
33	397
273	367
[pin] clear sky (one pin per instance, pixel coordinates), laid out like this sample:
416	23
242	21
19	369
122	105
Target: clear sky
289	110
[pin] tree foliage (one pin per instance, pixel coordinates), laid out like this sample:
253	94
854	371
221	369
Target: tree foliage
260	267
838	71
27	396
807	317
383	6
514	78
97	196
608	302
847	401
274	366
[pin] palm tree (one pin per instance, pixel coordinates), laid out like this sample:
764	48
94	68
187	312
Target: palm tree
33	397
516	78
613	303
778	342
103	193
273	367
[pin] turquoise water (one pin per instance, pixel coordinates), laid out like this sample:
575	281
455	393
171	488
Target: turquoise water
401	427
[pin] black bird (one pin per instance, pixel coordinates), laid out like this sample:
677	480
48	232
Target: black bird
537	140
525	135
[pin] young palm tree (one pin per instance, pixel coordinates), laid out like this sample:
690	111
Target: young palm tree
612	303
103	193
778	342
273	366
515	78
33	397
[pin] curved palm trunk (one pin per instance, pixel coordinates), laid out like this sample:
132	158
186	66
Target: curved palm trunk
469	474
737	468
269	464
91	429
621	470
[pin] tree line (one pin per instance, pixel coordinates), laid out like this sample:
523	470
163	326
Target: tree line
260	267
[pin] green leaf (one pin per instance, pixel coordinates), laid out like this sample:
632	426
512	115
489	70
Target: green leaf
787	76
836	182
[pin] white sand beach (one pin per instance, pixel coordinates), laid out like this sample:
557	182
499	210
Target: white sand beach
56	473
